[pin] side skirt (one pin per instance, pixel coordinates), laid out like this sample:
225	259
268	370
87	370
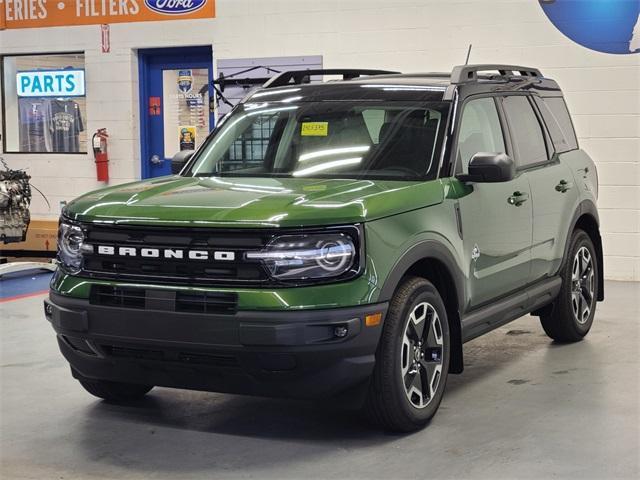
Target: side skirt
490	317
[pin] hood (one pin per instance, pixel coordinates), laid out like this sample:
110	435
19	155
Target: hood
253	202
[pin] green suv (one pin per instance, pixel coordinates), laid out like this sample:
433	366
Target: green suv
337	240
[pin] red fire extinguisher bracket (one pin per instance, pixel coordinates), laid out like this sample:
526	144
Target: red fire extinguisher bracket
99	141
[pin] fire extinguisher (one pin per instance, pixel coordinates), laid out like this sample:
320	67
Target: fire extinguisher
99	141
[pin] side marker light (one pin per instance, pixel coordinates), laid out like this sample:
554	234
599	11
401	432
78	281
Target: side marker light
373	319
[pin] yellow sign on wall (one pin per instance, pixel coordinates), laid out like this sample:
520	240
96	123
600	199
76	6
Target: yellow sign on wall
56	13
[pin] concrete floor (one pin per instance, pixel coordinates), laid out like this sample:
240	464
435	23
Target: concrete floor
524	408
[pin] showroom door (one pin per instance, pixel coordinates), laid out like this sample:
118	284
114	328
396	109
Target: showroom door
174	104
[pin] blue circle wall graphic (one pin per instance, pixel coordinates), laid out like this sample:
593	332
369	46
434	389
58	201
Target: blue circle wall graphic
609	26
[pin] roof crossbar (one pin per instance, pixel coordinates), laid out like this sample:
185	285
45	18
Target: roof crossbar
302	76
469	73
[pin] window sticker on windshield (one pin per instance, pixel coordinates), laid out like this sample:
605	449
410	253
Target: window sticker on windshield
314	129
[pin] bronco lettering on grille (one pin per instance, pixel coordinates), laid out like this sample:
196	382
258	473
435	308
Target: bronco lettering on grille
177	253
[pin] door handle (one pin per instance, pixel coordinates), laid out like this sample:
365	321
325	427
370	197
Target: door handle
518	198
156	160
563	186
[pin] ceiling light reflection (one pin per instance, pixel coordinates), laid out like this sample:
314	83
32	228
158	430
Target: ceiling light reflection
274	92
327	166
333	151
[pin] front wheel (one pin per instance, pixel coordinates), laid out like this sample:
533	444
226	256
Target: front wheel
570	316
412	361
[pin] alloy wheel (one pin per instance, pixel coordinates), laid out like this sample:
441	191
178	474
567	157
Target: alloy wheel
582	285
422	355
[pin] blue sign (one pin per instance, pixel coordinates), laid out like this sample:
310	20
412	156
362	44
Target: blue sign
52	83
609	26
175	7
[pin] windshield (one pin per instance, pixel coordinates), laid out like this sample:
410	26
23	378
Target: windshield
335	139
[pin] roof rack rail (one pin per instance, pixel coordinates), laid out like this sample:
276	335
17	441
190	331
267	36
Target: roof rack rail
302	76
469	73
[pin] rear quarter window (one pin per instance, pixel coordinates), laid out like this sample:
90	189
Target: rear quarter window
556	116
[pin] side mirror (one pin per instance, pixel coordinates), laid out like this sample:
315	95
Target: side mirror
489	168
180	159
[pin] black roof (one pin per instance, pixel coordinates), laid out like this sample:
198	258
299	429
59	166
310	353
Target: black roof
382	85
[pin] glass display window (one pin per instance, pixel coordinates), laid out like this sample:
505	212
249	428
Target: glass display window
44	103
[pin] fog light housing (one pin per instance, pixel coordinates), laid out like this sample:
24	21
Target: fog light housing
340	331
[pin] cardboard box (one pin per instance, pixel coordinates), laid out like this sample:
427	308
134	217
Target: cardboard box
42	236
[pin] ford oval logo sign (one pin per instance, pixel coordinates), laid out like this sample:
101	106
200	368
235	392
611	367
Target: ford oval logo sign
175	7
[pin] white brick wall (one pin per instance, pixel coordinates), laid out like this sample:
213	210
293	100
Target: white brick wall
603	91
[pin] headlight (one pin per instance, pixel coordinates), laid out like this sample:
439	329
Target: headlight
70	246
306	257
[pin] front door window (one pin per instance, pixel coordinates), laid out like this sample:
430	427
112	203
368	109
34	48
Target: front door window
480	131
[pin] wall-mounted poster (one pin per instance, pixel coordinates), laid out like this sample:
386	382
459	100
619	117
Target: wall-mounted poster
187	137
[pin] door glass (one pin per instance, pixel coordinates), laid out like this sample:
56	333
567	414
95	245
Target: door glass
480	131
186	111
528	140
556	116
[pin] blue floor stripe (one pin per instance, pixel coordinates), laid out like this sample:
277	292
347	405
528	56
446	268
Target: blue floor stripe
21	284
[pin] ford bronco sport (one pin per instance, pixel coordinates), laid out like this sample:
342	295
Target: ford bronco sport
339	239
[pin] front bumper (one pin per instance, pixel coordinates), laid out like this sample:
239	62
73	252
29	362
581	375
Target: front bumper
273	353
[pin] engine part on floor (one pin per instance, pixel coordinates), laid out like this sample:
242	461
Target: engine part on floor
15	198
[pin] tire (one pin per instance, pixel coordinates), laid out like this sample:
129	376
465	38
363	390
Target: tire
115	392
389	402
567	320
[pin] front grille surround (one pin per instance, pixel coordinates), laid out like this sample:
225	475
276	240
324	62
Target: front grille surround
241	272
174	271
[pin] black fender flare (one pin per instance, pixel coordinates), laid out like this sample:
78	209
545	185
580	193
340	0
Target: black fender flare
423	250
587	207
432	249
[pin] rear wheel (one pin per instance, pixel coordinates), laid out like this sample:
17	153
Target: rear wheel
412	360
113	391
570	316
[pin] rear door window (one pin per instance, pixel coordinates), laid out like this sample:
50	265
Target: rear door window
526	132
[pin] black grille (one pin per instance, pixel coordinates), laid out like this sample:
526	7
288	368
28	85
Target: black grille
168	300
157	355
173	270
206	302
137	353
117	297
